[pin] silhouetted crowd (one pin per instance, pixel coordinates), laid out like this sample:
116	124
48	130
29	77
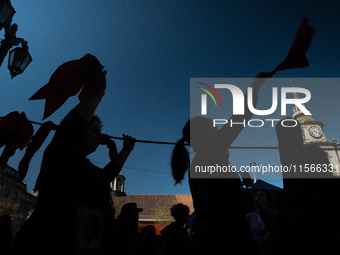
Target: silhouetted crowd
304	223
75	211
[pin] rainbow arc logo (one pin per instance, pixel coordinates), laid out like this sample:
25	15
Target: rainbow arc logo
204	97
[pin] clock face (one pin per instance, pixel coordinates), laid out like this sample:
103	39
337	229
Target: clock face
315	131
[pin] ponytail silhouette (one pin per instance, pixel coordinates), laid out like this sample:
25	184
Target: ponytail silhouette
180	161
194	132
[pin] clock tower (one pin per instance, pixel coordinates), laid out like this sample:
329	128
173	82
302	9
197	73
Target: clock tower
313	133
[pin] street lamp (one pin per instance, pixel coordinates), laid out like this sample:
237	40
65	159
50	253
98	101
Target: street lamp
19	58
6	12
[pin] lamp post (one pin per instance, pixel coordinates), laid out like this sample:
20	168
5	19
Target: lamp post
19	58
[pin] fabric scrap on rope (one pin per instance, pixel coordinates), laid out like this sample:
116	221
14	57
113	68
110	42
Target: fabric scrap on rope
37	140
16	131
69	78
296	57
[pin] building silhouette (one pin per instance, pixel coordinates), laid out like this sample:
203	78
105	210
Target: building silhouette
314	134
14	193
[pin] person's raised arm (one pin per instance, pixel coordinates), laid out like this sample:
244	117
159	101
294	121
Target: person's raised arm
128	145
87	107
113	168
228	133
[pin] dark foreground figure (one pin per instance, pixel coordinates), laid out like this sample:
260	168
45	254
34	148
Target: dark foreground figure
307	208
74	208
221	221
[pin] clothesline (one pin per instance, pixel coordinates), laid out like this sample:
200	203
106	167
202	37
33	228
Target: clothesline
171	143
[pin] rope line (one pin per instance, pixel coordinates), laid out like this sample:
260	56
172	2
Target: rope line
173	143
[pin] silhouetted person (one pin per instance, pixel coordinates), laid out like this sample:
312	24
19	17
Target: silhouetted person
149	241
69	184
90	234
307	207
126	230
221	222
263	223
6	234
174	237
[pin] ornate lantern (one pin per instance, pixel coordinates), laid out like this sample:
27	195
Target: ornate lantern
19	59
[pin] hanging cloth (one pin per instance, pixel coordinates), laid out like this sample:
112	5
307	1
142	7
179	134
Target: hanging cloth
66	81
296	57
37	140
16	131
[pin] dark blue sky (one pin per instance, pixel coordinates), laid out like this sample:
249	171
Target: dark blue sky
151	49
